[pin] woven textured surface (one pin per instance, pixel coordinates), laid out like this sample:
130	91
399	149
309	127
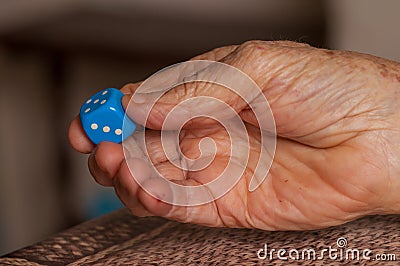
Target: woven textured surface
122	239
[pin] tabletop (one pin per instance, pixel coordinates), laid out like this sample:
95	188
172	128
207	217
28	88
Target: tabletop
123	239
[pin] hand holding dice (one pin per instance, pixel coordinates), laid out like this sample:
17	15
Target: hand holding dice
102	117
332	153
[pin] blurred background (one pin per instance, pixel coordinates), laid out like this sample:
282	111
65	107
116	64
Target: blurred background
54	54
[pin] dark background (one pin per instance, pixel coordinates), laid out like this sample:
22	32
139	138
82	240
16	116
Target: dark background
54	54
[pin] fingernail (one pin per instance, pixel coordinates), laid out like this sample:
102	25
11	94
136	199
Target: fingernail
139	98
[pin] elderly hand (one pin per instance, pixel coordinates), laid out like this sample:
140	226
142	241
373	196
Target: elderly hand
338	141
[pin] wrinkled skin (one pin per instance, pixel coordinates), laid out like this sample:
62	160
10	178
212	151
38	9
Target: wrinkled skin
337	156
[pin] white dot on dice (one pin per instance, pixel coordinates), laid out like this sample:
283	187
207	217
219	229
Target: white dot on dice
89	101
96	101
103	102
118	131
94	126
87	110
106	129
104	92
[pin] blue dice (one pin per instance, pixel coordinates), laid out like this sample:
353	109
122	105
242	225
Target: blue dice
102	117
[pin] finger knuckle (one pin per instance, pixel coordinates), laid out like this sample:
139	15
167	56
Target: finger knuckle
251	46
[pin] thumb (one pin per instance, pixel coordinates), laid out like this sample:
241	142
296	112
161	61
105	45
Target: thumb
200	91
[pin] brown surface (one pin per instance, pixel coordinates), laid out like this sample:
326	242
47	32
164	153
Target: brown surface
122	239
